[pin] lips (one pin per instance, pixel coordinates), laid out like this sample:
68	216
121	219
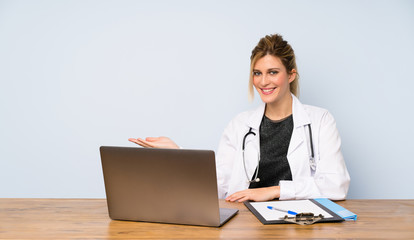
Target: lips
267	91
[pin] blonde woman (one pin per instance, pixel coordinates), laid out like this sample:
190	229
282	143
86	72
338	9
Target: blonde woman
283	149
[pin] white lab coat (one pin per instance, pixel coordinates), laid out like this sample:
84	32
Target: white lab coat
330	179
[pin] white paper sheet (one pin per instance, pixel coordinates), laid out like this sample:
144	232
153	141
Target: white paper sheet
298	206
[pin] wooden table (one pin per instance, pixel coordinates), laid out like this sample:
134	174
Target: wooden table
88	219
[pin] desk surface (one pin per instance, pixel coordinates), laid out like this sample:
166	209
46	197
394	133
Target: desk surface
88	218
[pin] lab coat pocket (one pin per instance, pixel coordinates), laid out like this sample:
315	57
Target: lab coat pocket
299	162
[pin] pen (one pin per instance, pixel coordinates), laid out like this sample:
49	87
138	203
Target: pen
278	209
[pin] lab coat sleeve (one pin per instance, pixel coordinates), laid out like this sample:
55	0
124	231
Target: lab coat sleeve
331	178
225	159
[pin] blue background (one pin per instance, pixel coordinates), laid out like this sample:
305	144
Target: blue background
75	75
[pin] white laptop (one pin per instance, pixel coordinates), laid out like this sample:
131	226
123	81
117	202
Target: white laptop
162	185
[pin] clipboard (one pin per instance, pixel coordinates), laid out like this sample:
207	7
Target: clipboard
268	216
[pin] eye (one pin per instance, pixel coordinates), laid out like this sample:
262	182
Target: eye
257	73
273	72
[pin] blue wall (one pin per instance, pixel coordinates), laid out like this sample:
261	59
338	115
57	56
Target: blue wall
75	75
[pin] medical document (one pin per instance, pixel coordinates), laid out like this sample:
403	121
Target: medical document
299	206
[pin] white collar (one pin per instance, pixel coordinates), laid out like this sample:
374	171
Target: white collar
300	116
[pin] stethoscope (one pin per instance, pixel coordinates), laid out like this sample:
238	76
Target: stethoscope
312	162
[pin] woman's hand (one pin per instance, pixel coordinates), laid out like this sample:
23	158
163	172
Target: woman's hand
255	194
155	142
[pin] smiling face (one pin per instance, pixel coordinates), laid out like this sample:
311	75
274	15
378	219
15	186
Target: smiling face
271	80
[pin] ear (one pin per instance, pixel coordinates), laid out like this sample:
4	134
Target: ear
292	75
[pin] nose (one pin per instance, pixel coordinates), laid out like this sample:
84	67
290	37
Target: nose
265	79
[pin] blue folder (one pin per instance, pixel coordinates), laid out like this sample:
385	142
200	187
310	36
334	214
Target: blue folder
339	210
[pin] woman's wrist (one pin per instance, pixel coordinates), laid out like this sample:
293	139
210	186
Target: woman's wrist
275	191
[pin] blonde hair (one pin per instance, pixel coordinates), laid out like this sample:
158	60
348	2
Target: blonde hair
274	45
